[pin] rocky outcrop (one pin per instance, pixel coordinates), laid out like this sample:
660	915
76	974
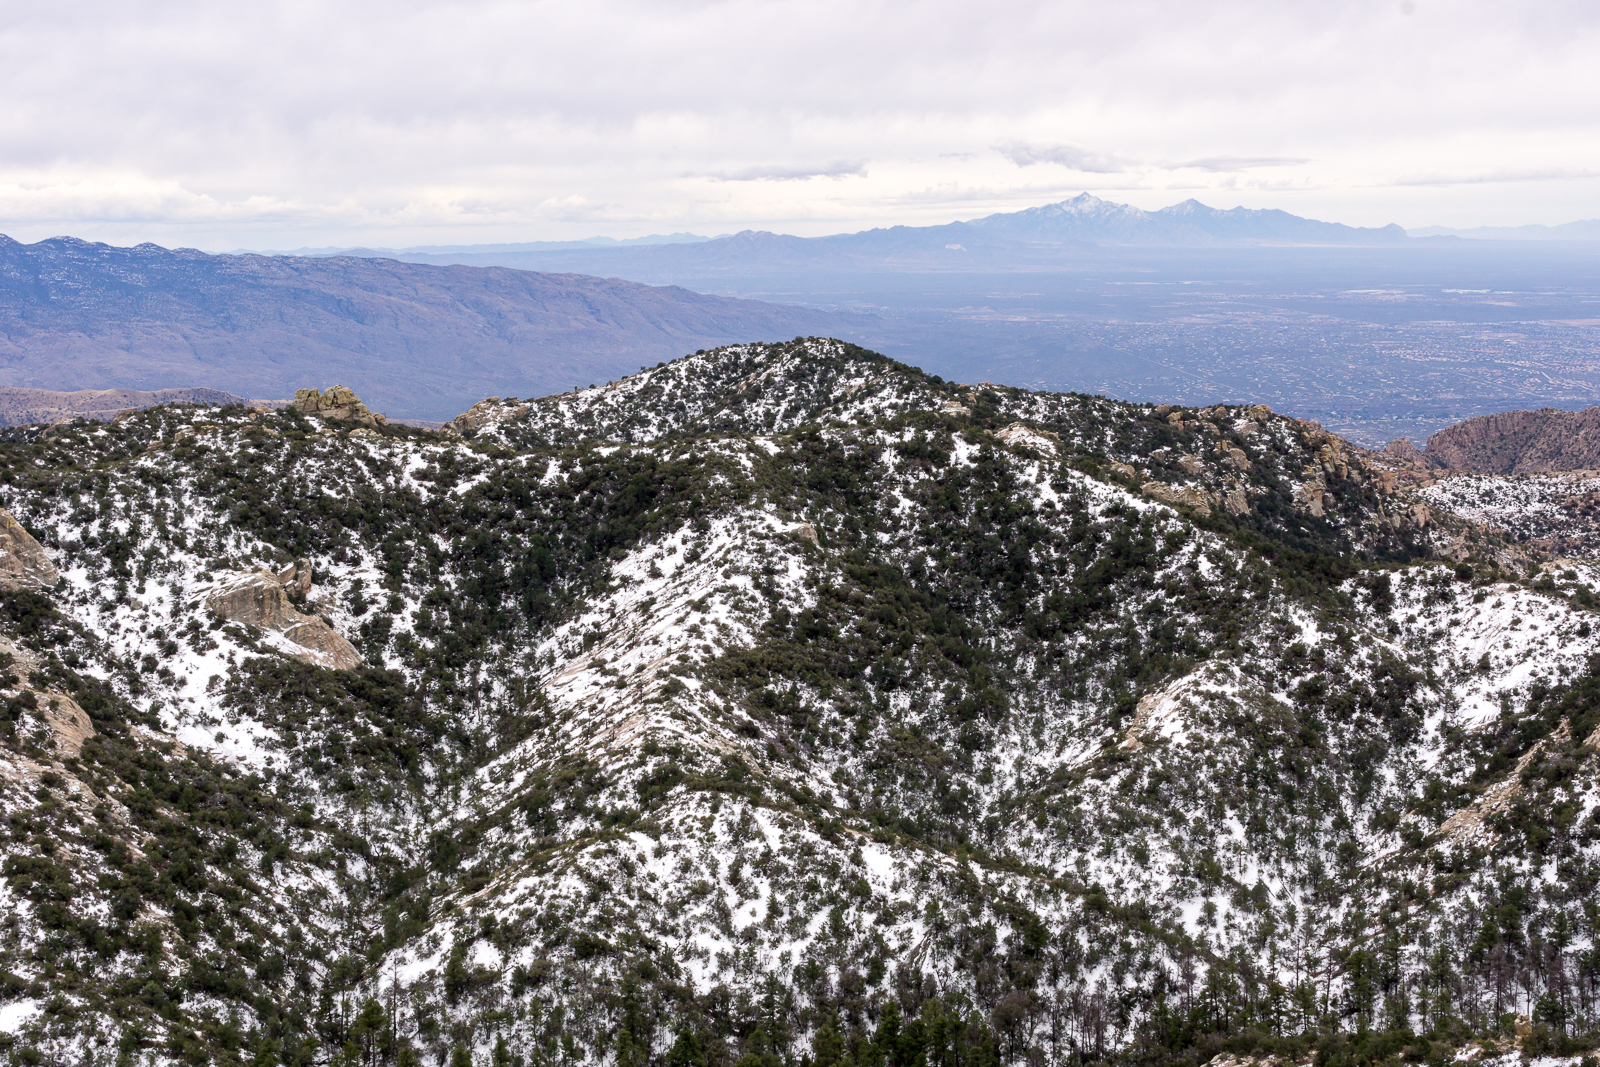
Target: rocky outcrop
1403	451
1234	500
23	563
486	413
260	598
296	577
1019	433
1520	442
69	724
338	404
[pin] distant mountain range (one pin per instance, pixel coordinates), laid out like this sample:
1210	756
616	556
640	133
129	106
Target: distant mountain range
1583	230
1090	219
23	407
418	341
1037	236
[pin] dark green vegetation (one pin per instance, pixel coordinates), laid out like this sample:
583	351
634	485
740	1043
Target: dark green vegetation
786	703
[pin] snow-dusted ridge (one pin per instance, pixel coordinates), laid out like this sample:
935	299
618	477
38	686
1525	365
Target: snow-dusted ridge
770	686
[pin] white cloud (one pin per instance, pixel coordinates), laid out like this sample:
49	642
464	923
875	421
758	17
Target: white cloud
1498	177
1231	164
285	121
779	173
1070	156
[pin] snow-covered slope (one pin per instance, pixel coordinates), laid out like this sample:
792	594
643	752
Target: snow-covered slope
765	700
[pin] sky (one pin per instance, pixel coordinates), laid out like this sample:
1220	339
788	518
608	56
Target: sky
291	124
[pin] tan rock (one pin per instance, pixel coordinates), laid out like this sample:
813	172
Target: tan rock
1188	496
1402	450
1237	459
1022	434
23	562
487	412
1125	469
1236	501
296	577
259	598
338	404
67	721
1309	495
1191	464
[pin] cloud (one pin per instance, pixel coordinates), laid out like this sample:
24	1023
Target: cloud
1226	164
1502	176
837	169
279	122
1085	161
1071	156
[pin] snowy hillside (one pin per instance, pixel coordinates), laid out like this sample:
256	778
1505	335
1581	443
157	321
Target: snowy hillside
779	701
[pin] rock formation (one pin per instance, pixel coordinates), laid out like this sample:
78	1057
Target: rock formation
1404	451
260	598
69	724
297	576
23	563
1520	442
1202	500
338	404
485	413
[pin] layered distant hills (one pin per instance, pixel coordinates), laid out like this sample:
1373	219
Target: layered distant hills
23	407
417	340
1582	230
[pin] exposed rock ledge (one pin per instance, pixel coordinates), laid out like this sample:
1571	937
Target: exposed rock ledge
67	723
260	598
339	404
1235	500
23	563
486	413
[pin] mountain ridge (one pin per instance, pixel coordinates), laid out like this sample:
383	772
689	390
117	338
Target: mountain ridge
21	407
1521	442
784	701
420	341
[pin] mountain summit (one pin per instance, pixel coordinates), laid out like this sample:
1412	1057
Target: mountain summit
1088	218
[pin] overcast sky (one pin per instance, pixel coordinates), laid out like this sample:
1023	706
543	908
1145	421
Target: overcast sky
278	125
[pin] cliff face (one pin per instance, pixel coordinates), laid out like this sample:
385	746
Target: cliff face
1520	442
23	563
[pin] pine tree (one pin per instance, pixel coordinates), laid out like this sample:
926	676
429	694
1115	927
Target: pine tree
685	1051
